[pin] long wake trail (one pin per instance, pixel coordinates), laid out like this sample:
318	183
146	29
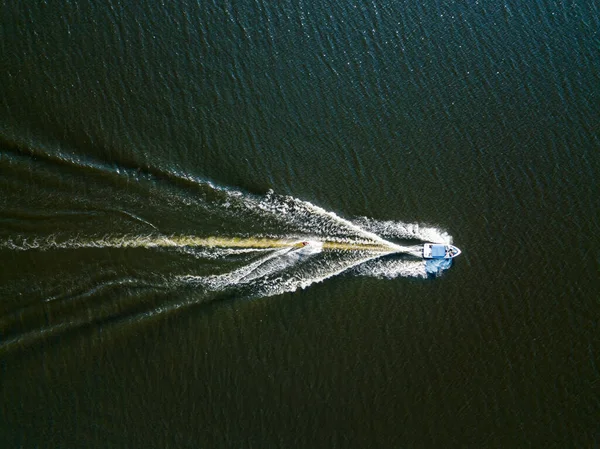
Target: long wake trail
191	242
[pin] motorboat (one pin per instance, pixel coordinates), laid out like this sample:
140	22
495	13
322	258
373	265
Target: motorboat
439	251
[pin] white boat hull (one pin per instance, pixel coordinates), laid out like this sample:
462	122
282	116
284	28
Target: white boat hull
439	251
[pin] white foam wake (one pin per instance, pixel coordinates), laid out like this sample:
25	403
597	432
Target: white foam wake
192	235
399	230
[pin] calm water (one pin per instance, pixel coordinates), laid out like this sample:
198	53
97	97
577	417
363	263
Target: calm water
158	162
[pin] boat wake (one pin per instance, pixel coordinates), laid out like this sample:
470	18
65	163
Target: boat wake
191	240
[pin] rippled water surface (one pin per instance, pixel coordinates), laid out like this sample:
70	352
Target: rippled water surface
211	217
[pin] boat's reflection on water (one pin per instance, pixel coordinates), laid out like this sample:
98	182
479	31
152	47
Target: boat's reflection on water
435	267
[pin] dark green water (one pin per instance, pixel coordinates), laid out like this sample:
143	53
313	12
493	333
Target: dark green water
123	125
